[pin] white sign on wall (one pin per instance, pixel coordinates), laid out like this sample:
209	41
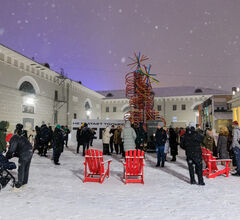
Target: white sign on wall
97	125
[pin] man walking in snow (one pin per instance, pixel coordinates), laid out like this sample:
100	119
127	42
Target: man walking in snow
191	143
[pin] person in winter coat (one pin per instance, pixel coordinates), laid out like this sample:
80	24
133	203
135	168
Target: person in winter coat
117	140
222	143
141	136
209	141
58	144
128	136
79	138
86	137
66	133
3	131
236	146
37	140
173	143
166	147
161	139
44	139
191	142
111	138
106	140
20	147
92	137
50	136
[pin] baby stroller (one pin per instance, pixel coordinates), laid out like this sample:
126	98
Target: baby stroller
5	175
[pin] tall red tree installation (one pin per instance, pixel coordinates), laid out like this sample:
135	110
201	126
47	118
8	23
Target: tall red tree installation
139	91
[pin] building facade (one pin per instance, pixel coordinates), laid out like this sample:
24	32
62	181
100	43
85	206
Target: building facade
32	94
235	102
178	105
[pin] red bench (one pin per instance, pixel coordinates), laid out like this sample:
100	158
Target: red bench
133	166
94	166
212	170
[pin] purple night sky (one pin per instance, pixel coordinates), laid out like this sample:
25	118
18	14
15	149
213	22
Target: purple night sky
189	42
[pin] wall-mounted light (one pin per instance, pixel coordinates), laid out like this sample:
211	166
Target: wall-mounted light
238	89
234	90
88	112
30	101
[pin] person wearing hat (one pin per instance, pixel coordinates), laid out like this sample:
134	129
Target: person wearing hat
161	138
191	142
20	147
86	137
79	137
236	146
3	129
58	143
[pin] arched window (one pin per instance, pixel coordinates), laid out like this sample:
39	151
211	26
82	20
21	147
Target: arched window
27	87
126	109
87	106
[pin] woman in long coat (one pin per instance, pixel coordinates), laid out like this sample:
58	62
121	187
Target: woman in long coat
106	140
223	143
128	136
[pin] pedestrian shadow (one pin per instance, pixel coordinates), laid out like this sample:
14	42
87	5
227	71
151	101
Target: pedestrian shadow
115	157
80	173
117	174
168	170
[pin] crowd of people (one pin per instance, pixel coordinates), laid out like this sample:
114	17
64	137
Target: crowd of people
123	138
22	145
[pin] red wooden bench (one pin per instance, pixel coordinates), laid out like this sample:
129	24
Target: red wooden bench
94	166
212	170
133	166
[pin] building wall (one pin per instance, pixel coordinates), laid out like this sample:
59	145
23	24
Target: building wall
181	117
14	69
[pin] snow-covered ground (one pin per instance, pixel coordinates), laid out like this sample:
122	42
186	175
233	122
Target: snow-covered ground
58	192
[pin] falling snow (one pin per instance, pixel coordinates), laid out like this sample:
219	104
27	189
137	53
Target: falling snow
193	32
2	31
123	60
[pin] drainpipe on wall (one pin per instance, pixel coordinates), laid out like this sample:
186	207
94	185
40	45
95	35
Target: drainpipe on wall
67	117
164	109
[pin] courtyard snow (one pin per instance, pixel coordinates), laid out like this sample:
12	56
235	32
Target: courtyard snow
58	192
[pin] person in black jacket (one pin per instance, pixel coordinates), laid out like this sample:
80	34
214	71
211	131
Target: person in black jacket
86	136
37	139
111	138
79	138
44	139
173	143
161	138
191	143
141	137
20	147
58	144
